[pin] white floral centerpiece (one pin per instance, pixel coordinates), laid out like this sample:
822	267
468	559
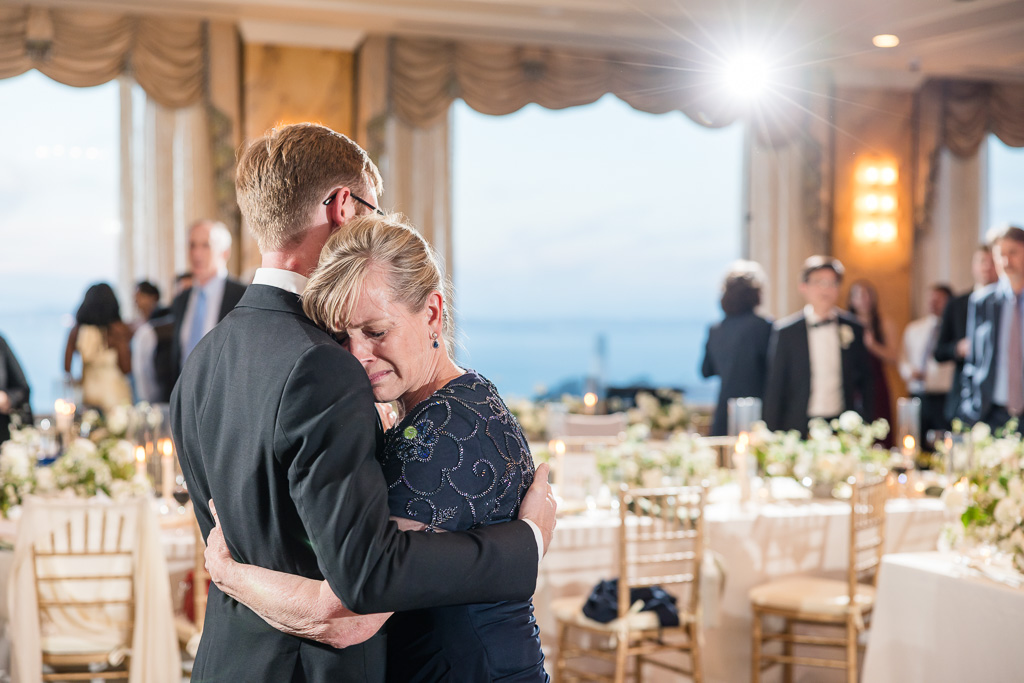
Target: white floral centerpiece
18	457
832	453
663	412
681	460
990	498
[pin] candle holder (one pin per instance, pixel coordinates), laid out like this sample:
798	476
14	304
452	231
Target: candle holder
743	413
908	421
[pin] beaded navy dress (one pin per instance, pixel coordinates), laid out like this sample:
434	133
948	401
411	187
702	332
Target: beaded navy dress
457	461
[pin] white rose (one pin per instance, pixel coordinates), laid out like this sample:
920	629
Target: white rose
118	419
1007	512
44	479
980	432
122	452
955	498
850	421
845	336
15	460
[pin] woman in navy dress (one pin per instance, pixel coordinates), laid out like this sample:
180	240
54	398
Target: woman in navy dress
457	458
737	347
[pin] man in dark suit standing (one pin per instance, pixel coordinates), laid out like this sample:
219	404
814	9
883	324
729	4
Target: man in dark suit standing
276	423
952	342
993	381
817	361
213	293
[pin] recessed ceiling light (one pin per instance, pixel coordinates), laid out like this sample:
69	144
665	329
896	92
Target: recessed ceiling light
885	40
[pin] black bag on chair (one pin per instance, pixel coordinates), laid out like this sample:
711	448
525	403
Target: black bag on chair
603	603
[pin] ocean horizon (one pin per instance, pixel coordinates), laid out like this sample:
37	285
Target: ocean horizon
524	358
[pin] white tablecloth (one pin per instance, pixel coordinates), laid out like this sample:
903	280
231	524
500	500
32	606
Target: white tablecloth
757	542
937	621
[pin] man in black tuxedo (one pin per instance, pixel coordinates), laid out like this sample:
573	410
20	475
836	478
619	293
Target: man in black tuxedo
212	295
276	423
14	392
817	361
952	342
993	381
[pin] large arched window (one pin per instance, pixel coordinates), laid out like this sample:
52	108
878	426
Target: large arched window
591	242
1005	180
59	217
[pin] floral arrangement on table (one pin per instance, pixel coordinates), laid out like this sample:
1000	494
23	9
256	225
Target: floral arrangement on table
832	453
532	417
683	459
103	463
663	412
989	499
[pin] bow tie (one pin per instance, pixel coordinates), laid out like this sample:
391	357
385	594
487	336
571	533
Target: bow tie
823	323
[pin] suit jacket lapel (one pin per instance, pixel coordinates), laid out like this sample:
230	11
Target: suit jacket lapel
802	351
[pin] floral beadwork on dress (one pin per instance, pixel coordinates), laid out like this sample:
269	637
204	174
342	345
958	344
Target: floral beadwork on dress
459	459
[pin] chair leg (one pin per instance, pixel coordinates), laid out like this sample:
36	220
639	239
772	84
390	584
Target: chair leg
755	648
697	651
563	640
621	658
787	650
851	651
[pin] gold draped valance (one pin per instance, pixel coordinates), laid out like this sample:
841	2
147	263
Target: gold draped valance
84	48
958	116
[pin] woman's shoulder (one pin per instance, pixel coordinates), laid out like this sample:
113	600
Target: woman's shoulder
468	396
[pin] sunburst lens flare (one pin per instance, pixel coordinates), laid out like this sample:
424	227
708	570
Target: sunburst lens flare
746	75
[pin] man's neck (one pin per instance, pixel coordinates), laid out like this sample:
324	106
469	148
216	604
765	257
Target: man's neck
823	313
288	261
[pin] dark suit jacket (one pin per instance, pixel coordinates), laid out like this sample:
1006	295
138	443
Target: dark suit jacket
952	329
788	388
984	314
12	381
233	291
275	421
736	351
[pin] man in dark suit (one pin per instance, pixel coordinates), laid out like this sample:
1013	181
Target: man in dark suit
212	295
14	392
952	342
275	422
993	381
817	361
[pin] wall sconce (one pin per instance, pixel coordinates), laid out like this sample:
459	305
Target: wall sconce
874	203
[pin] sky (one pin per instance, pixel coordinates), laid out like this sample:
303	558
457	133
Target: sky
566	224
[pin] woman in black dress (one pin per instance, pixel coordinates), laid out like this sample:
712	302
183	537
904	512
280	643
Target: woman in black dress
456	459
737	347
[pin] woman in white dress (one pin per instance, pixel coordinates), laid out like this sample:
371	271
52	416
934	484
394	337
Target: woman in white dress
102	340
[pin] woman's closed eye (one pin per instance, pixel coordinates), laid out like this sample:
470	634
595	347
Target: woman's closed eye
373	334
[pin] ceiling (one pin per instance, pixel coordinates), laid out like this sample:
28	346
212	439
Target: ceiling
973	38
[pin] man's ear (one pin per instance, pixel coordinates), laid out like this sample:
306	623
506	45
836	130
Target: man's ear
340	210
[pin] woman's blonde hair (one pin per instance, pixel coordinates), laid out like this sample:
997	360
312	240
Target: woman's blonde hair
410	265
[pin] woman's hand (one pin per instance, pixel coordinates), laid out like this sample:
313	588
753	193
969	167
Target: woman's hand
219	562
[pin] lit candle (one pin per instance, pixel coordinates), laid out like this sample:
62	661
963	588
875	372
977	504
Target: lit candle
140	461
590	402
558	450
909	447
167	475
64	414
739	461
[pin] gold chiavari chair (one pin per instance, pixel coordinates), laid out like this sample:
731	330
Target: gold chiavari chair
84	575
846	604
661	542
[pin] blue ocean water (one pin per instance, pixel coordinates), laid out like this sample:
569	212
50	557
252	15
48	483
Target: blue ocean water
524	358
38	339
520	357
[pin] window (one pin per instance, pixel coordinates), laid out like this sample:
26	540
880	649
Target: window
58	216
1006	177
591	242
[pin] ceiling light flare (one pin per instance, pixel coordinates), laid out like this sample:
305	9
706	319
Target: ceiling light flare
746	75
885	40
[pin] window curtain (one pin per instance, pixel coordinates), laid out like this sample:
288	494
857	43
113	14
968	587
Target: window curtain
177	149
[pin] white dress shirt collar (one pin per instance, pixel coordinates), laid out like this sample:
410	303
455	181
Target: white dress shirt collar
287	280
813	318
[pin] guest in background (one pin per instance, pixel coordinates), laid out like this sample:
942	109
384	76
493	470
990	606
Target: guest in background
102	340
952	344
145	342
212	295
882	342
993	382
182	282
14	391
926	378
817	361
737	347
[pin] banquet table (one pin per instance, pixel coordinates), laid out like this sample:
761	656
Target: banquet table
939	620
754	543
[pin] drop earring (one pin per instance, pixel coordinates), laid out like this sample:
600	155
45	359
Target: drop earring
434	337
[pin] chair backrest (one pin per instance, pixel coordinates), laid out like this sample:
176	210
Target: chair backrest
867	531
661	543
573	425
723	446
84	568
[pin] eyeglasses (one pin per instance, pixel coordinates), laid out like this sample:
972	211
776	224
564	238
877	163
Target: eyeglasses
358	199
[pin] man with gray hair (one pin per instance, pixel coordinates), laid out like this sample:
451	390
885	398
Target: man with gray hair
213	293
